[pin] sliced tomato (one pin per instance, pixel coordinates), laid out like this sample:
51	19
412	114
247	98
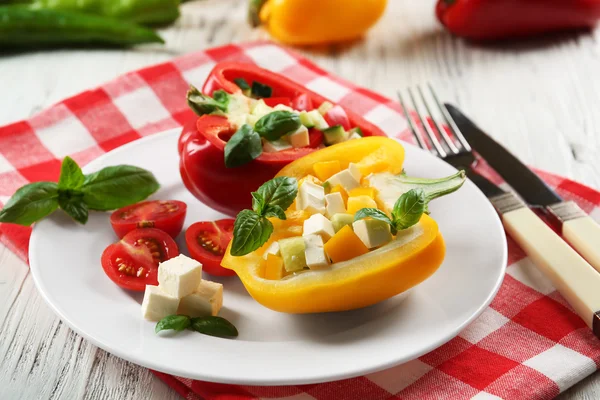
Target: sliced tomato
315	138
132	263
273	101
302	102
166	215
337	116
207	242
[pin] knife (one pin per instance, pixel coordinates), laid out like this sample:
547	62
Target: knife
578	228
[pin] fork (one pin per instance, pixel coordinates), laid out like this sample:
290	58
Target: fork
570	274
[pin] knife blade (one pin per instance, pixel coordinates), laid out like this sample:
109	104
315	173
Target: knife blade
577	227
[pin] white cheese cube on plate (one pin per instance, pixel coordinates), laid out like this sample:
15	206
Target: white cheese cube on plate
300	137
276	145
158	304
311	197
335	204
318	224
179	276
349	178
372	232
206	300
314	252
272	249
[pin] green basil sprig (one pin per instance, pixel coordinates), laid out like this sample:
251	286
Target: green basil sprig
244	146
412	204
252	229
202	104
213	326
76	193
276	124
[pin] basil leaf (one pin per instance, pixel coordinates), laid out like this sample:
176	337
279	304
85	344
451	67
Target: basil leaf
261	91
242	83
117	186
202	104
74	206
375	214
31	203
250	231
173	322
258	203
275	211
214	326
276	124
409	208
244	146
71	176
280	191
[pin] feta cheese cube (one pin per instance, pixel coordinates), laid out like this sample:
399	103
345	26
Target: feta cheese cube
317	224
158	304
272	249
314	252
311	197
206	300
372	232
179	276
335	204
276	145
348	179
299	138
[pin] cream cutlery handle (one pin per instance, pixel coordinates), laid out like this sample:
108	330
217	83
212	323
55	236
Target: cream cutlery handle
584	235
570	274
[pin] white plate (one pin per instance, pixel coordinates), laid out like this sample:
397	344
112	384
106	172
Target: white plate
273	348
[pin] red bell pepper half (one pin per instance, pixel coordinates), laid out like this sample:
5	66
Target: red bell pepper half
202	142
499	19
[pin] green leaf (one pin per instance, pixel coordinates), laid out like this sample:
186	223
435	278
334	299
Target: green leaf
409	208
261	91
244	146
202	104
276	124
258	203
242	83
214	326
280	191
222	97
275	211
375	214
71	176
31	203
173	322
117	186
74	206
250	231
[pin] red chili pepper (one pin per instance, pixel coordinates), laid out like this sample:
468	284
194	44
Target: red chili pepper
500	19
202	142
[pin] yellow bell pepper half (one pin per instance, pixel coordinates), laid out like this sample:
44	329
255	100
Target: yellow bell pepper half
412	257
310	22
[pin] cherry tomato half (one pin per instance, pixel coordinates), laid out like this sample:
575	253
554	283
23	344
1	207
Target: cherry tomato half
207	242
166	215
132	263
274	101
337	116
302	103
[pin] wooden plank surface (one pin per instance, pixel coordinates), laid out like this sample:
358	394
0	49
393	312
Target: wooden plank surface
540	98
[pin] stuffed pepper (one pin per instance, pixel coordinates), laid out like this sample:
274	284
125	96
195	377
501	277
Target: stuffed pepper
251	124
340	229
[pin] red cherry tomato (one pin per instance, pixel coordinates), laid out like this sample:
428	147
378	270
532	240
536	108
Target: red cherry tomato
273	101
166	215
132	263
315	138
302	102
337	116
207	242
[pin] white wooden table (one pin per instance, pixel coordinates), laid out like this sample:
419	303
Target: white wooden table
541	99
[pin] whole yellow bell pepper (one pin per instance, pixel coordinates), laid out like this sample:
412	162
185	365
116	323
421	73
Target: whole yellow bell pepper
308	22
412	257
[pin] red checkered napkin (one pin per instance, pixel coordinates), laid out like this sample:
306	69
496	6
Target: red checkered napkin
527	345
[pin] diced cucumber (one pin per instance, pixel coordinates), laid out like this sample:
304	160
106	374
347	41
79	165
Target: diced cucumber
335	134
313	119
356	130
340	220
283	107
237	105
292	252
261	109
325	107
251	120
306	120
